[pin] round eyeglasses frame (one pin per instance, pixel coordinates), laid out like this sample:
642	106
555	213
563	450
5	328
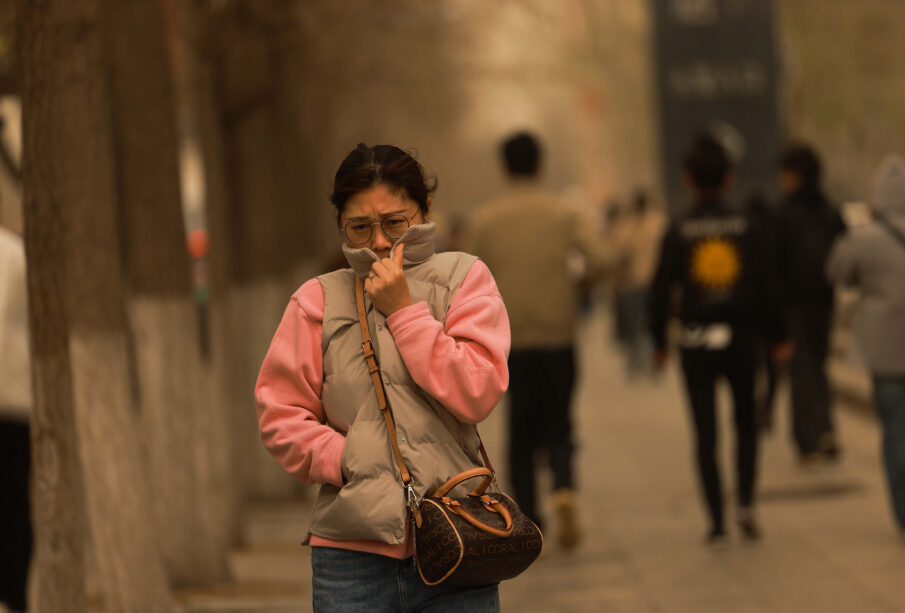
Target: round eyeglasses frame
396	216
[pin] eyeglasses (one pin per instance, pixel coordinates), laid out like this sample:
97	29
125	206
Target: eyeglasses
360	231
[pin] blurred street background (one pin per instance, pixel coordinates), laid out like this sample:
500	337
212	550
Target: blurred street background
165	167
827	541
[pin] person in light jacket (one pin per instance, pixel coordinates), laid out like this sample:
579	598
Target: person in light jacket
872	259
441	334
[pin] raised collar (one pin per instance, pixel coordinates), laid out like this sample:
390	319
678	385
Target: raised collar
419	246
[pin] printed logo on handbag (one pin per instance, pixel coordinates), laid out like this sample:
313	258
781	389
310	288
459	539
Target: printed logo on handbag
483	549
472	540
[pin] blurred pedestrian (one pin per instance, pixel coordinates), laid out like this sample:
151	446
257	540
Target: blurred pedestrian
807	225
615	233
872	259
766	376
441	337
639	250
15	406
716	255
592	215
526	237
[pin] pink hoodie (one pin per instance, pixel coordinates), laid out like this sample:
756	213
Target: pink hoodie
462	365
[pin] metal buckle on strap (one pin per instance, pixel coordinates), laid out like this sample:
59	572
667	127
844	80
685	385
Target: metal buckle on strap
411	498
496	485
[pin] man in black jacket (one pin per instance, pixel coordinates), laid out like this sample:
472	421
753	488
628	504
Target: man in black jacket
720	259
807	227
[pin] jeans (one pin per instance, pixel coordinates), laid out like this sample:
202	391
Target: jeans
889	396
346	581
540	392
701	368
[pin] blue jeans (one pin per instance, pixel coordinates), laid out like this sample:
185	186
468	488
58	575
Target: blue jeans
889	396
345	581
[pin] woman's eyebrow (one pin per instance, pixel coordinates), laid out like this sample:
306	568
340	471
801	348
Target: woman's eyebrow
387	214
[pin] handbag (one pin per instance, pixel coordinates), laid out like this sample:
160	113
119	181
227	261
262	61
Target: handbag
464	541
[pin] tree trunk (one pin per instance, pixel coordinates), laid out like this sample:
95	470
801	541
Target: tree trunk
263	222
83	403
58	503
186	442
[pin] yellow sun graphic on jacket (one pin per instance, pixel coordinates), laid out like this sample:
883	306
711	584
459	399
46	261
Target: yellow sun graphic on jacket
715	263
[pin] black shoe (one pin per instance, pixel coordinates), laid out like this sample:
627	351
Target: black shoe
808	457
831	454
829	448
744	517
716	538
749	528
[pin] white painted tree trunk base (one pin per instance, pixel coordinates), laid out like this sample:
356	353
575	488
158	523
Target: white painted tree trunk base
185	429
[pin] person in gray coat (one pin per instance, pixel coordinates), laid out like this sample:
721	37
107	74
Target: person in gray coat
871	258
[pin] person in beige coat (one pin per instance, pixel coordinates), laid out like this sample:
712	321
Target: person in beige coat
527	237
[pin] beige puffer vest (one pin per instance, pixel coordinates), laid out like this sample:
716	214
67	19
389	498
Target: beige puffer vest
434	444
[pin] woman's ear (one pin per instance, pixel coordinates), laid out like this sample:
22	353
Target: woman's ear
427	212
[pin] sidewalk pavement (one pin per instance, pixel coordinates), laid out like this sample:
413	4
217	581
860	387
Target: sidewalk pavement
829	544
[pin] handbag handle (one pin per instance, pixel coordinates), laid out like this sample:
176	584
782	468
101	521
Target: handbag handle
491	505
444	489
494	506
367	347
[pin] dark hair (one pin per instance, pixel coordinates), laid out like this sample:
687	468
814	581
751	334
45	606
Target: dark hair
804	162
706	162
387	165
521	152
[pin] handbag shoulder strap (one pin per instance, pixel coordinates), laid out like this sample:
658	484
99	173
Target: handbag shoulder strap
367	348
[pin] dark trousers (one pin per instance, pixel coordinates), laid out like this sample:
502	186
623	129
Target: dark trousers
701	369
15	517
540	393
812	424
766	379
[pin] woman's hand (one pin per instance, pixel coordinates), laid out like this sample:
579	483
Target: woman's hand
386	284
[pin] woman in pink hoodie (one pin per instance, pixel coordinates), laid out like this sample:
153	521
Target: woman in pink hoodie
441	335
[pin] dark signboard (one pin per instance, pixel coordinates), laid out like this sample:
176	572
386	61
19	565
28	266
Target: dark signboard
716	72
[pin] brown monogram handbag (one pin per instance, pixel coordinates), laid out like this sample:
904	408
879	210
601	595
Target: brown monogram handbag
472	540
